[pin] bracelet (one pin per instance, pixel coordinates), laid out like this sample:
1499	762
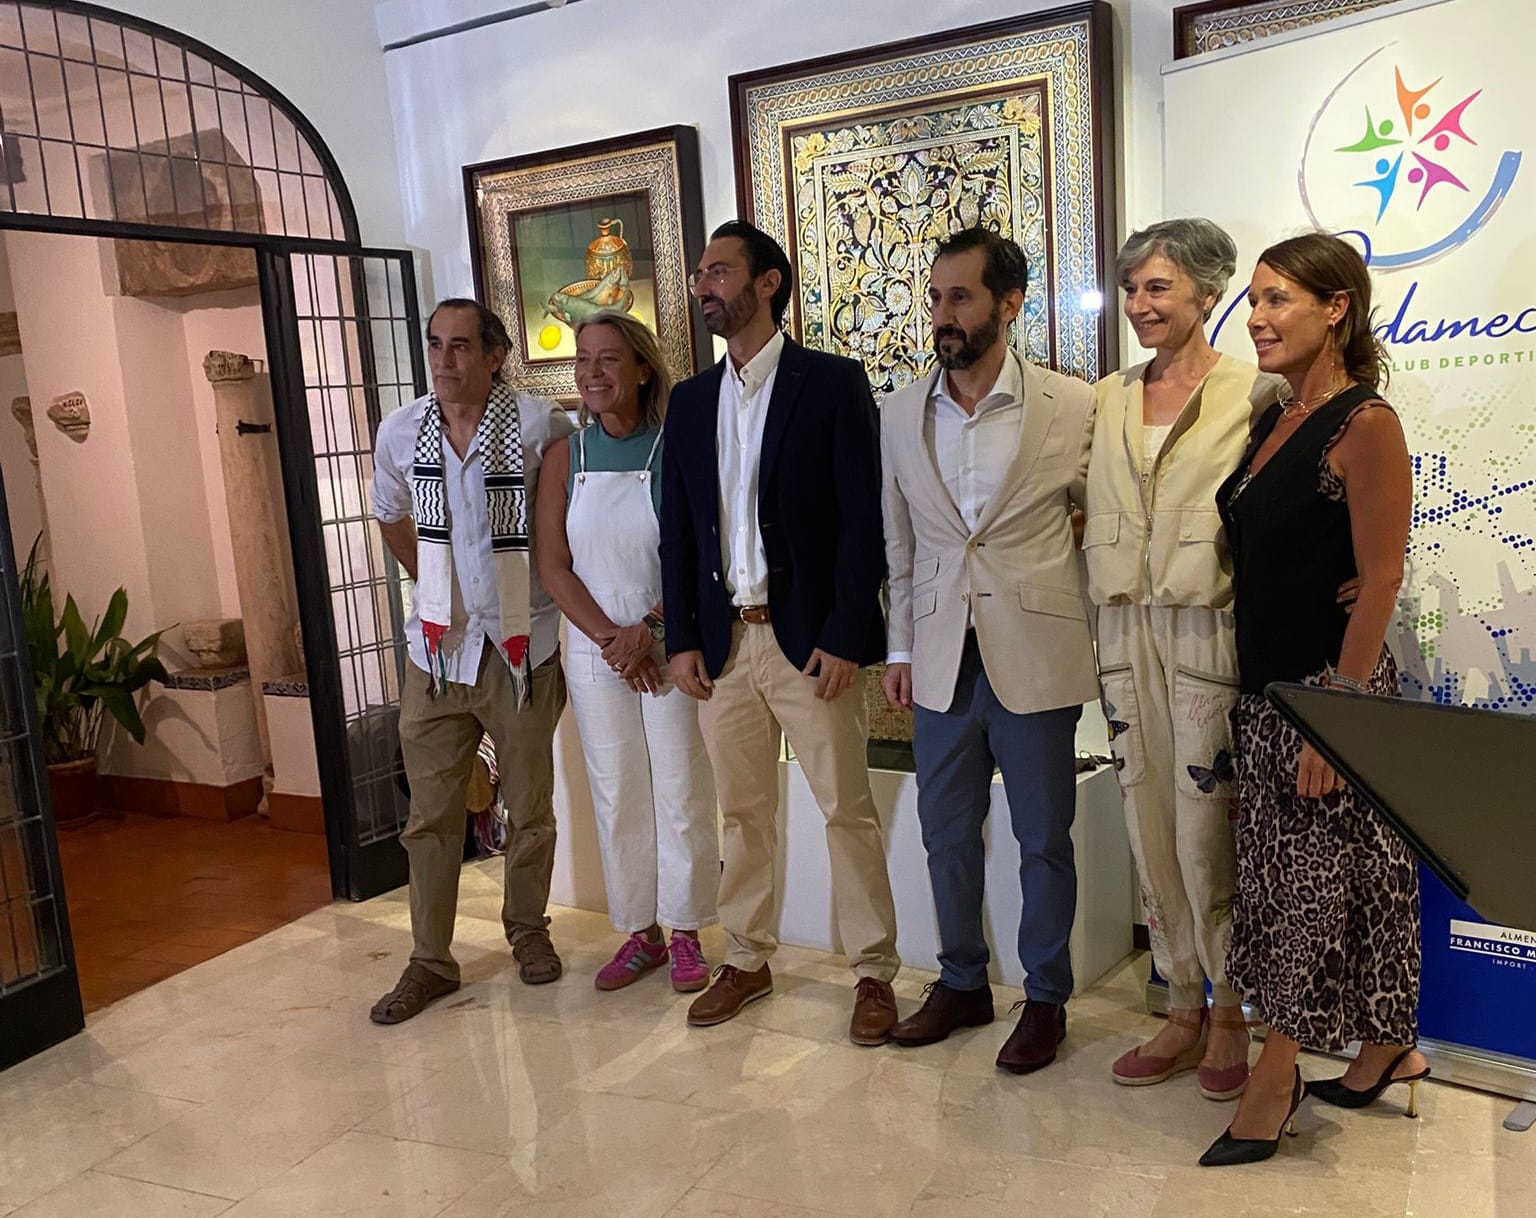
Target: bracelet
1337	680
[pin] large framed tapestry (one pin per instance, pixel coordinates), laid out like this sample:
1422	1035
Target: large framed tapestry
859	163
560	235
1213	24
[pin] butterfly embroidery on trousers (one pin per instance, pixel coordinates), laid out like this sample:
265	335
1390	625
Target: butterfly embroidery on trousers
1221	770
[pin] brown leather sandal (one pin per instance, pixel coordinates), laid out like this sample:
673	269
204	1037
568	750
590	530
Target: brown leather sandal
537	961
418	986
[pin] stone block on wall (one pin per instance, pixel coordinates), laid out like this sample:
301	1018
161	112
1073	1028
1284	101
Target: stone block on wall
190	181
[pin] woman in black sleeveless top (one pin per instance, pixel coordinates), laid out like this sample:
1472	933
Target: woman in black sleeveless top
1325	935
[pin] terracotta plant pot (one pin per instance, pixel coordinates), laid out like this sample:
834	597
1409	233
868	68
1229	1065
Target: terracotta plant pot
72	789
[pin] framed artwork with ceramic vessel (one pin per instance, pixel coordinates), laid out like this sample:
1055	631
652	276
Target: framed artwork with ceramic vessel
560	235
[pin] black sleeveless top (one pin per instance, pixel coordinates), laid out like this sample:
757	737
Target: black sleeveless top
1291	549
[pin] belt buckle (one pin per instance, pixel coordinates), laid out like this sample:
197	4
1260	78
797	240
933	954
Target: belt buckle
752	615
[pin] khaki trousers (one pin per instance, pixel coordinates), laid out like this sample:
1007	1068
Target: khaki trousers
757	695
438	738
1170	681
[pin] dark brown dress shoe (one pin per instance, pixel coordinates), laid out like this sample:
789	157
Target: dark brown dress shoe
943	1011
1042	1026
732	990
417	987
537	961
874	1012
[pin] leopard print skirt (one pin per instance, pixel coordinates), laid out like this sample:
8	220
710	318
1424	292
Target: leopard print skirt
1325	931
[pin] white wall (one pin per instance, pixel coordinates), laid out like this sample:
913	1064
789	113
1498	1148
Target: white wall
606	67
323	55
141	503
70	344
23	501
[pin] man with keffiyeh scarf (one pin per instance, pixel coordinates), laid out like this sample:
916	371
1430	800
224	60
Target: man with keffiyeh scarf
454	480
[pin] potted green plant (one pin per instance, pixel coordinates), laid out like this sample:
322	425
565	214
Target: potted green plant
79	672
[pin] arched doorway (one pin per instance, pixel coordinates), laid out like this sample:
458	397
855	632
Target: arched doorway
114	127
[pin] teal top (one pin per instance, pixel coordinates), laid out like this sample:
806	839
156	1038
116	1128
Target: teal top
610	456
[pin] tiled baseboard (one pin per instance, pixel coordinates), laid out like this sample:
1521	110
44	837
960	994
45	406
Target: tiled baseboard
162	797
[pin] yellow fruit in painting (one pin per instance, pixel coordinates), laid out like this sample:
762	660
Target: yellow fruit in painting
549	337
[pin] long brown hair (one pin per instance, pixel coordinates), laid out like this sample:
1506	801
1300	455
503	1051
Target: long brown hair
654	392
1326	265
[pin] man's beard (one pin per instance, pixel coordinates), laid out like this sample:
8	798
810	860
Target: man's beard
733	314
972	346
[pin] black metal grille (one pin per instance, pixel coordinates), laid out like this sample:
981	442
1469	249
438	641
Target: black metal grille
102	119
362	361
31	930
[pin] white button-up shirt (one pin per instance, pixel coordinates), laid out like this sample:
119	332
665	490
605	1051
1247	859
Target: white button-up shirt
476	609
972	452
744	398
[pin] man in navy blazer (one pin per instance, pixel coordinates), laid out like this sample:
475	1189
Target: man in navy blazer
772	556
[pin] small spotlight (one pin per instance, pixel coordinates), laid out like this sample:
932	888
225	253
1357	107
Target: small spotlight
1091	301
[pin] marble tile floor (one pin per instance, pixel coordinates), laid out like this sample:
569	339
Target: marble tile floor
253	1085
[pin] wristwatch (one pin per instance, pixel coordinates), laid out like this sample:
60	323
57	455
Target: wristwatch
658	627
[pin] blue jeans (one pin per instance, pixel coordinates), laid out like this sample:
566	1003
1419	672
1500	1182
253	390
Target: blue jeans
956	751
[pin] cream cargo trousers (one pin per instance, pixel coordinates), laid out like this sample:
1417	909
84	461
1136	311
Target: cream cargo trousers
1169	675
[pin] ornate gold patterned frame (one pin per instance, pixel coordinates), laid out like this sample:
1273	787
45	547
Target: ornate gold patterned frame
656	172
859	163
1214	24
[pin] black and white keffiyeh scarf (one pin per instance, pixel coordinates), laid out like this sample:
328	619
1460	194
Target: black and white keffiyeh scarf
501	455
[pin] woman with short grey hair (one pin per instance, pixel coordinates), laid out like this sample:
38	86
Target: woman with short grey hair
1167	432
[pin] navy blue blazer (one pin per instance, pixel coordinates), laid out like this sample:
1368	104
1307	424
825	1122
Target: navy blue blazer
818	507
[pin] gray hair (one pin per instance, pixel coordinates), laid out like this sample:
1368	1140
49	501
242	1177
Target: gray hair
1200	249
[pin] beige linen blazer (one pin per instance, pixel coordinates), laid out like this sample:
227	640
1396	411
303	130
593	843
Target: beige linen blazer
1017	575
1161	541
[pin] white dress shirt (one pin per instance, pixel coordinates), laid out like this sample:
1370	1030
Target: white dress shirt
972	451
744	398
476	610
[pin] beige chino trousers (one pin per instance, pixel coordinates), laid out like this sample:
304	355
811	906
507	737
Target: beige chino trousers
757	695
438	738
1169	675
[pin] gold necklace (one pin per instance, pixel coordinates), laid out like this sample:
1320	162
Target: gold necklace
1302	408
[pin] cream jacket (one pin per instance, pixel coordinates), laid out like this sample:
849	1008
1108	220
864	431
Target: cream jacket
1016	575
1157	539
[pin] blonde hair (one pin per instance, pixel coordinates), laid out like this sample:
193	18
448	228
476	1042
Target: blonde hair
642	343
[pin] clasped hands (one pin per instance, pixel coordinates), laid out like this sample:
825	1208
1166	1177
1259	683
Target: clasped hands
629	652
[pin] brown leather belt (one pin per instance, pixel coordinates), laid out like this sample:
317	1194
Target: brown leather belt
752	615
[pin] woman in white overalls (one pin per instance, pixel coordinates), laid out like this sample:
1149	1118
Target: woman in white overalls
652	789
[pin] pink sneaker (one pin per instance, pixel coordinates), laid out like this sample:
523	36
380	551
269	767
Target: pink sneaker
690	971
636	956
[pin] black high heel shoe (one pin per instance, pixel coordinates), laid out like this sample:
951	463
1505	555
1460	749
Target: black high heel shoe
1333	1091
1227	1151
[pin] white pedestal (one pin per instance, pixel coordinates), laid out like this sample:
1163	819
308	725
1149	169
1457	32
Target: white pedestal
1101	934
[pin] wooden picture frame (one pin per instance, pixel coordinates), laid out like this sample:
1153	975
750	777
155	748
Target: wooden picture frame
1213	24
859	162
558	235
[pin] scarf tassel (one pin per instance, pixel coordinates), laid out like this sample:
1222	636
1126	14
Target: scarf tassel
516	648
437	665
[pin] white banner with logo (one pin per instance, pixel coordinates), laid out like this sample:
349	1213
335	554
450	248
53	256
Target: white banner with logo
1406	130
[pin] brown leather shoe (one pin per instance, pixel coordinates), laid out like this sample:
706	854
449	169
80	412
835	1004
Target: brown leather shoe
732	990
537	961
1031	1045
874	1012
417	987
943	1011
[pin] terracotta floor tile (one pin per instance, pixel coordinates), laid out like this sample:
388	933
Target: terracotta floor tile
150	896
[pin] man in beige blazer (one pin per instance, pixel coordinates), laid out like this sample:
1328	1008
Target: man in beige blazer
988	635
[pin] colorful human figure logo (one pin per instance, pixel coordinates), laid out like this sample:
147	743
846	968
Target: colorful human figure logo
1424	171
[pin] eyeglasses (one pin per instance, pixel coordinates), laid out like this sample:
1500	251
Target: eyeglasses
716	273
